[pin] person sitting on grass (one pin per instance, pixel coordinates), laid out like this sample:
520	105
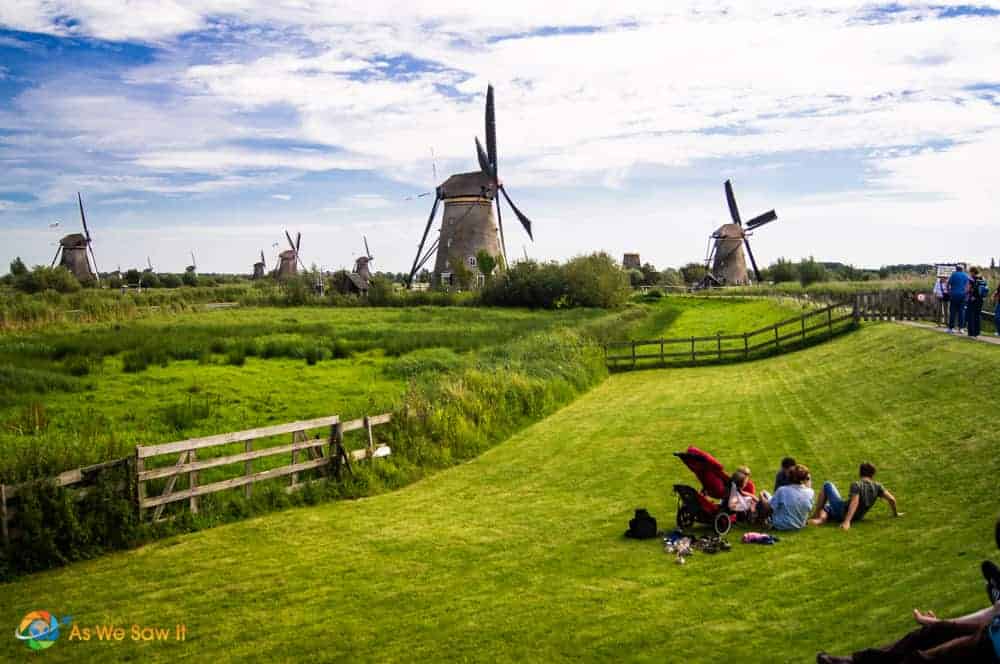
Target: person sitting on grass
971	638
830	506
741	498
791	503
781	479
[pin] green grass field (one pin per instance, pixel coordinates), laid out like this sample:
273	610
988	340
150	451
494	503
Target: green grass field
519	555
211	372
675	317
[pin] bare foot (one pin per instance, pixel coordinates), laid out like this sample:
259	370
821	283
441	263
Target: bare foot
925	618
816	522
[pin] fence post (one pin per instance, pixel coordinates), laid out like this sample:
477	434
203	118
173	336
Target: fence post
193	482
663	360
857	309
3	513
718	343
777	341
296	438
803	329
633	354
829	321
248	469
140	485
746	347
338	451
371	440
692	349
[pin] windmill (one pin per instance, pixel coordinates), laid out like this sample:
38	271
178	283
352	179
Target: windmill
73	248
361	276
289	260
260	267
725	260
193	267
467	225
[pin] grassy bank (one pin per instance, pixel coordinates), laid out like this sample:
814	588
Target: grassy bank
518	555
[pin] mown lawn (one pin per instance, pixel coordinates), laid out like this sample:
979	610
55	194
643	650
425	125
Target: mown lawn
519	555
675	317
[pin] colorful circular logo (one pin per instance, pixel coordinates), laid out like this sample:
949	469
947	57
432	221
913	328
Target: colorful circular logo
39	630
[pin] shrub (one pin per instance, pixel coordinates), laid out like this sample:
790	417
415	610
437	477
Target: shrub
237	356
313	354
42	278
596	280
424	360
135	361
77	366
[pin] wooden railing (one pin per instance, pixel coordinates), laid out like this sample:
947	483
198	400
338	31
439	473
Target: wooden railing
320	451
783	335
78	480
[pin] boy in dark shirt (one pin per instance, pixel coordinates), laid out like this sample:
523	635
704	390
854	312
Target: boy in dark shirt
864	493
782	478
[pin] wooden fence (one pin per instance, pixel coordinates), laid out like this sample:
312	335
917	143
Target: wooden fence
79	481
321	452
324	452
783	335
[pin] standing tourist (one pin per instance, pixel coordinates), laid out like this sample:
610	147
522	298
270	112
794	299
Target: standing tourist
958	285
996	311
977	293
941	293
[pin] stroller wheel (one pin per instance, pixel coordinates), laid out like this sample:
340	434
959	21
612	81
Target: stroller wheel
685	518
722	523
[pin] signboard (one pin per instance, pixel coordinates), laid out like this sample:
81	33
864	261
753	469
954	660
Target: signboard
945	269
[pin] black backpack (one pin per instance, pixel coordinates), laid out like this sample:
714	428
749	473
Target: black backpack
642	526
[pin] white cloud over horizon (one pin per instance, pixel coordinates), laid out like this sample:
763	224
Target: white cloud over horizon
239	97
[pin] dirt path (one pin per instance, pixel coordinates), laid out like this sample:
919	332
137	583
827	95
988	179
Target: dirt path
987	337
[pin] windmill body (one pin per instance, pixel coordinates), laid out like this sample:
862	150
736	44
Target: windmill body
74	248
288	265
73	256
259	267
729	264
727	259
468	225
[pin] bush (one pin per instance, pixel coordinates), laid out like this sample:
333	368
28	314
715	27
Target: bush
594	280
135	361
77	366
437	360
811	272
43	278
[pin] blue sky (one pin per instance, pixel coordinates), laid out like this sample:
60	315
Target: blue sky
872	128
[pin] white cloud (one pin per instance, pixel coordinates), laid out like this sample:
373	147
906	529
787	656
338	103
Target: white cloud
281	197
591	109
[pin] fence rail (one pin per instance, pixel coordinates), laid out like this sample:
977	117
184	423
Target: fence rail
320	452
795	331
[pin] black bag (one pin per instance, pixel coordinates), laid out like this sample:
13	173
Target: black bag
643	526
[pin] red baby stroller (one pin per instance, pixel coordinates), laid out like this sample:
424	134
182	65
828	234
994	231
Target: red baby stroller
707	506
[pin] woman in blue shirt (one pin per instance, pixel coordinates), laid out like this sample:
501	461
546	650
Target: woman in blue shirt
792	502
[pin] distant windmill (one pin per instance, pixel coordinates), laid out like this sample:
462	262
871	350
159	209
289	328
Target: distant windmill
289	260
361	277
259	268
725	259
149	265
467	226
193	267
73	249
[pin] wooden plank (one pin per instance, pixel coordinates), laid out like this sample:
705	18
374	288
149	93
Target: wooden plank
248	469
181	460
384	418
215	487
193	483
168	471
140	485
235	437
67	478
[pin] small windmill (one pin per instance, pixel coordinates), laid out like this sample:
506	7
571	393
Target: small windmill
725	260
467	226
289	260
193	267
73	248
260	267
361	276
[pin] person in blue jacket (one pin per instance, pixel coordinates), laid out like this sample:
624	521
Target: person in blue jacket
958	286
